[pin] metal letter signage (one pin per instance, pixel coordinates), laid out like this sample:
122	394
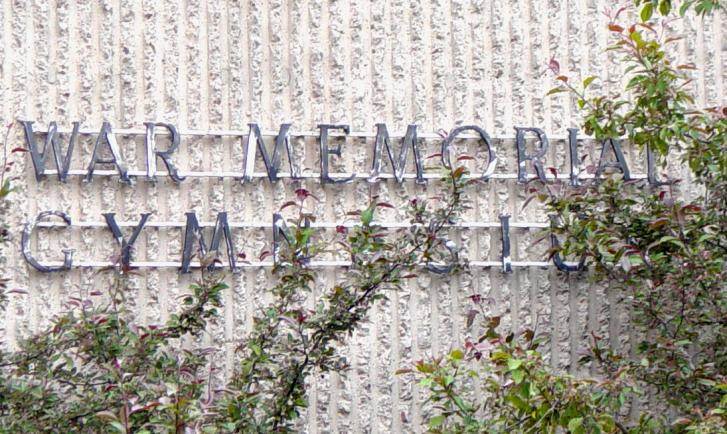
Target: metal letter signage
398	165
575	162
523	158
491	156
51	141
108	137
620	162
505	238
272	157
272	164
193	232
325	152
25	243
152	154
125	245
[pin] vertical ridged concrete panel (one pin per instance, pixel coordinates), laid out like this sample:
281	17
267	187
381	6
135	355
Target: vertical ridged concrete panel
220	64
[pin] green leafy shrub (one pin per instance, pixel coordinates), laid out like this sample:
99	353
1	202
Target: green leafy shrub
289	342
664	7
501	384
97	370
665	254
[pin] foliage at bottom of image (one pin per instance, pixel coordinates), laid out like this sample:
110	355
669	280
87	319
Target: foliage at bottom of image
501	384
98	369
658	246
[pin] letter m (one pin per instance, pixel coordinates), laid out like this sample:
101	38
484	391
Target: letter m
193	232
398	164
272	162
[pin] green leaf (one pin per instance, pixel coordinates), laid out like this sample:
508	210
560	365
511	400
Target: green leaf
588	81
647	11
513	364
256	349
574	424
107	415
456	355
367	216
436	421
665	7
554	91
684	7
606	423
425	368
518	403
518	375
118	426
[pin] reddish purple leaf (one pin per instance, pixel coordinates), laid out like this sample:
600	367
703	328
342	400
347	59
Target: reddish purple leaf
554	66
287	204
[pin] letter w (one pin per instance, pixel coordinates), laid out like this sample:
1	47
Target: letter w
52	141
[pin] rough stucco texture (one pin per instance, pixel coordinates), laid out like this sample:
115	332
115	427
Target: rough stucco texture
221	64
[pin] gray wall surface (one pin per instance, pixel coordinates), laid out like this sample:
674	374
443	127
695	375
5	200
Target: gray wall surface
219	64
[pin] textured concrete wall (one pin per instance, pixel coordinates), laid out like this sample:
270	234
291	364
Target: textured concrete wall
221	64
